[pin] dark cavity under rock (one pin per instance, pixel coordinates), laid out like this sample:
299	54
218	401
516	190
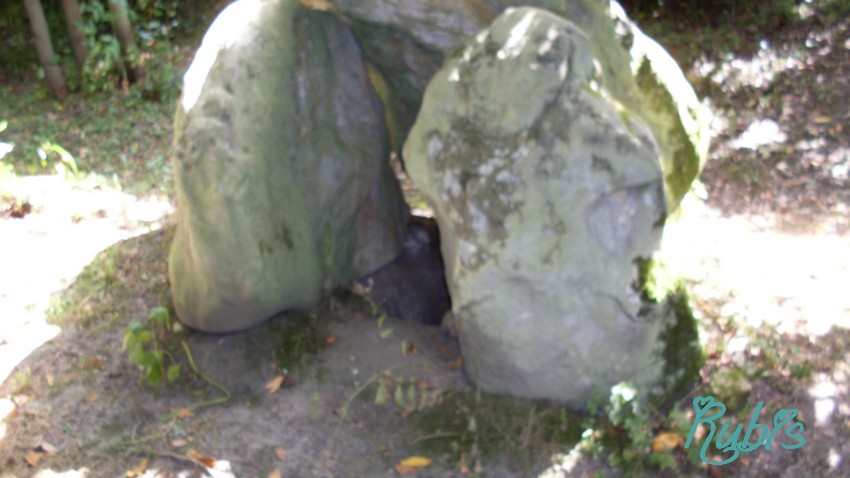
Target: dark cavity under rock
413	286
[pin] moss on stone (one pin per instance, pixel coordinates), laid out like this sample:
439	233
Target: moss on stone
683	354
297	337
682	163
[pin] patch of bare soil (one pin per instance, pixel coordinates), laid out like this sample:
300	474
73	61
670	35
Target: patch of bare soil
782	142
341	391
767	254
78	401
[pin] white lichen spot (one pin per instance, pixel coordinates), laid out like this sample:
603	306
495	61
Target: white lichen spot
454	75
451	184
479	220
520	153
595	82
546	45
467	252
487	168
505	176
435	146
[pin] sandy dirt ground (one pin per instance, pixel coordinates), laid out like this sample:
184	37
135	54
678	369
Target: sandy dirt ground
73	403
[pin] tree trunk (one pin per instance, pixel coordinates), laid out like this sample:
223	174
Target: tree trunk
127	37
74	20
44	47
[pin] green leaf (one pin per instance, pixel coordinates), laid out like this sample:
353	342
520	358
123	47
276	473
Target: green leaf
398	397
381	395
160	314
137	354
128	337
173	372
411	393
386	333
148	360
143	336
155	375
472	426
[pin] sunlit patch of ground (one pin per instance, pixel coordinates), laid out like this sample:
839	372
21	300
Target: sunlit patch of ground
65	225
773	291
781	142
763	271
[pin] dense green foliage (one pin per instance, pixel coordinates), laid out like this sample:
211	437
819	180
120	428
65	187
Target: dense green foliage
156	22
106	126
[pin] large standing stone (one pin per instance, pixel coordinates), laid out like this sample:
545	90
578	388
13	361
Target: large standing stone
280	163
407	41
549	194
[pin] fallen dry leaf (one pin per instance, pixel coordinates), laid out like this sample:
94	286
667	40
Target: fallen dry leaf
456	364
177	443
409	349
330	339
138	469
280	453
94	363
274	384
182	412
666	441
464	470
416	462
321	5
207	461
32	458
275	474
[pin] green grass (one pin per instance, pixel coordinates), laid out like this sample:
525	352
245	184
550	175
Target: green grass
109	128
103	296
115	134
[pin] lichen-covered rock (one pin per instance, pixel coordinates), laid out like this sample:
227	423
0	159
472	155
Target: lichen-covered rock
644	78
280	164
549	196
408	40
